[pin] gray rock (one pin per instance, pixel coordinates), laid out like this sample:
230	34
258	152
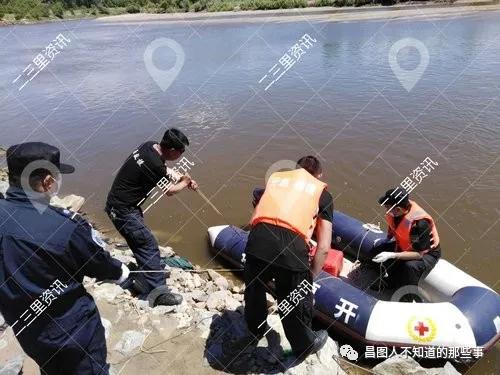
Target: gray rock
221	283
231	303
130	341
199	296
197	280
213	275
13	366
217	300
210	287
399	365
108	292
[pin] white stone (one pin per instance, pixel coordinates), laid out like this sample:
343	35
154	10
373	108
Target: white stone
130	341
399	365
107	327
13	366
166	251
217	300
231	303
198	296
221	283
108	292
236	289
197	280
4	185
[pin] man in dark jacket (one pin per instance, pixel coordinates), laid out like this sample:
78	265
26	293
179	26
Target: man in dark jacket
44	254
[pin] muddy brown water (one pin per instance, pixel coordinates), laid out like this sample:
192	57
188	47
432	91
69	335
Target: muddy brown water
340	101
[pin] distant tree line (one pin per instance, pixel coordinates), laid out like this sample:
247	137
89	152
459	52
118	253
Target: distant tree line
40	9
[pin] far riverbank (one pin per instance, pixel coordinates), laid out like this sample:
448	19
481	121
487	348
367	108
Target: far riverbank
351	9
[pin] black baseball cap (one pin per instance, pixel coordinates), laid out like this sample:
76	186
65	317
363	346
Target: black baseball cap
395	197
21	155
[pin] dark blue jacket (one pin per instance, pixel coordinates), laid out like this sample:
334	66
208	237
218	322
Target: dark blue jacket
43	258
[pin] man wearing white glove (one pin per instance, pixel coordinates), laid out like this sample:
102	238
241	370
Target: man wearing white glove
412	247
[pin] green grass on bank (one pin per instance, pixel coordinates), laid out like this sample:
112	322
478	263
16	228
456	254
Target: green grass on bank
12	10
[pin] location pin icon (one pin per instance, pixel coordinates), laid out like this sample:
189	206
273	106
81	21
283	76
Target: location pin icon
164	78
37	199
408	78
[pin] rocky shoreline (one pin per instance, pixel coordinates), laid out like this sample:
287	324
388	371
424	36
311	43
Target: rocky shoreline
199	336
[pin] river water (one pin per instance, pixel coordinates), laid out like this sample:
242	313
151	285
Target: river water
341	101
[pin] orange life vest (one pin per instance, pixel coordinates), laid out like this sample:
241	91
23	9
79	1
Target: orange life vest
290	201
402	232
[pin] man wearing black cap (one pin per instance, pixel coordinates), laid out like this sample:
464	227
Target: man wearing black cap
141	172
44	254
412	247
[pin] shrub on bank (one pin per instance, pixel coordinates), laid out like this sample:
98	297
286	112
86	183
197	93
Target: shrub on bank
58	10
133	9
272	4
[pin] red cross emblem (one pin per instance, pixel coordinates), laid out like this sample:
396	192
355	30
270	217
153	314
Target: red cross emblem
421	328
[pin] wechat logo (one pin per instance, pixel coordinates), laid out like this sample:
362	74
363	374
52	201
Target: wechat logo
348	352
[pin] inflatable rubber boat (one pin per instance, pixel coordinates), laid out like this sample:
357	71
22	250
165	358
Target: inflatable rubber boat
458	310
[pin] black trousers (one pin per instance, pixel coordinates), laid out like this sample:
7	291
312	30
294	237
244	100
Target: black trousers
297	322
407	272
130	224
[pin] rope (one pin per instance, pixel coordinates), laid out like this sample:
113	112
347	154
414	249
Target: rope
361	244
369	227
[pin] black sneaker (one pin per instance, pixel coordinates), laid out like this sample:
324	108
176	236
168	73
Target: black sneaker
317	345
168	299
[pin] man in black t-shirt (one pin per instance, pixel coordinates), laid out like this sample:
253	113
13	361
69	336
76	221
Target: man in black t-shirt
141	172
294	205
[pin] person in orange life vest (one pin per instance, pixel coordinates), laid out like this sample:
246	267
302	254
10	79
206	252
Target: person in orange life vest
412	248
294	205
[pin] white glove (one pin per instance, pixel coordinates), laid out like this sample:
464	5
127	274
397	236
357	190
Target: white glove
384	256
124	276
